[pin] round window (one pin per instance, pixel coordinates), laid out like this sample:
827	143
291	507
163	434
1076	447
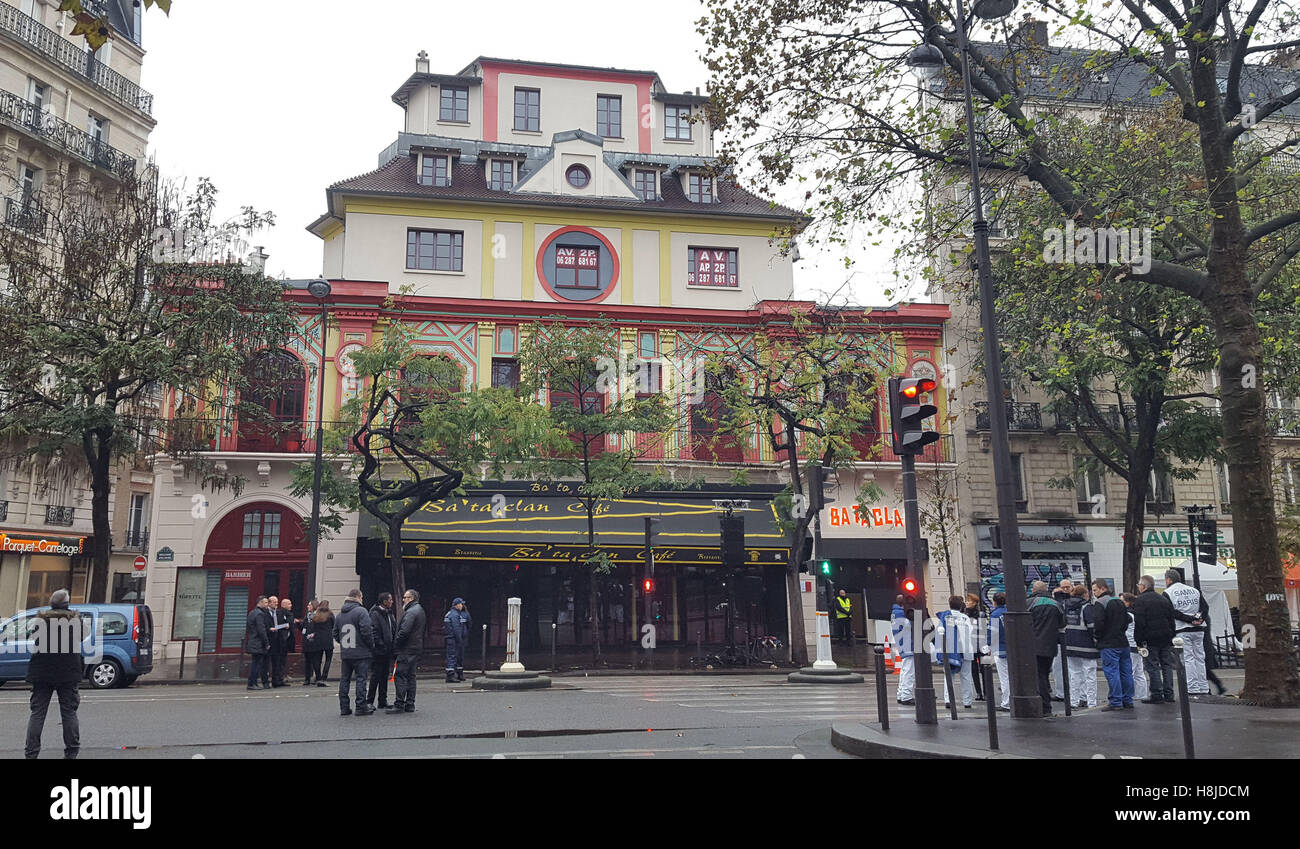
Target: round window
578	176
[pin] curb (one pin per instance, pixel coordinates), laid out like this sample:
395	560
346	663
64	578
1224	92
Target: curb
146	680
867	742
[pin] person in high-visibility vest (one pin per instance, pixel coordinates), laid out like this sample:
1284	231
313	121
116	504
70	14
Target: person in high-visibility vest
844	616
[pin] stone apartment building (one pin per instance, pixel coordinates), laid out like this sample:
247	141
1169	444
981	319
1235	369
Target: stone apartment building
66	114
1071	521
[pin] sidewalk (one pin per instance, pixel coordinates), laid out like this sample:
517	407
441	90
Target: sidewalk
1220	730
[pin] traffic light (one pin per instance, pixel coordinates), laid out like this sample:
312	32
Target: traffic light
820	489
907	414
648	585
733	541
910	589
826	567
1207	545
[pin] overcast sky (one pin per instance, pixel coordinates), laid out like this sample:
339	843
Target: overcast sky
274	101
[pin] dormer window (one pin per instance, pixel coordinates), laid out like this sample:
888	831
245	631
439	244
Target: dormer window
502	175
677	122
454	104
643	181
435	170
700	188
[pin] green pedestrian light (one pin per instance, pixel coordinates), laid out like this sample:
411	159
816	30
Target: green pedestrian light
826	567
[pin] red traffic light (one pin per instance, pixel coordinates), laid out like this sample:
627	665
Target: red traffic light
909	586
649	585
918	387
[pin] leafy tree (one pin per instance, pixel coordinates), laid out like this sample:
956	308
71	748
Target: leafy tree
600	433
97	29
808	383
97	319
821	85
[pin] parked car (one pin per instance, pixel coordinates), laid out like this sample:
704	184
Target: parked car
125	634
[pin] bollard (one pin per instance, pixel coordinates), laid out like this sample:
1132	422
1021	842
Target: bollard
482	650
990	701
182	672
513	611
882	697
1184	703
552	646
1065	677
699	650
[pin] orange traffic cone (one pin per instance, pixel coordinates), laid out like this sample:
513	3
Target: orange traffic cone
898	661
889	656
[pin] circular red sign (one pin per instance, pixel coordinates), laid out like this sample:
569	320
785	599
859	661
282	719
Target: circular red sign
140	563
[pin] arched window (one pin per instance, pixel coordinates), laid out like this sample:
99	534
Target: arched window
277	391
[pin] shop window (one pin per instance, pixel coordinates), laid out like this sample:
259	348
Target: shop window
127	588
277	387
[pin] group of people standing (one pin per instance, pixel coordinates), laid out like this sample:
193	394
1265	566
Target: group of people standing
374	645
1129	635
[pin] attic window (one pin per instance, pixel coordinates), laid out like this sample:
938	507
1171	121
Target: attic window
502	175
644	184
578	176
700	188
434	170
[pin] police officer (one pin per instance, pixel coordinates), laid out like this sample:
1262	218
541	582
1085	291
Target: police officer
456	628
844	617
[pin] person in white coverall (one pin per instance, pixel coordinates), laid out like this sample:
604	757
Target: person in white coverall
902	637
1187	612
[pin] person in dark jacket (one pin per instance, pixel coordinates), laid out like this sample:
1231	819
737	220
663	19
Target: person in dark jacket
282	641
1153	630
972	612
317	638
456	628
1112	639
997	642
257	636
384	624
355	637
1047	620
329	644
1211	657
1081	650
408	643
1064	592
56	666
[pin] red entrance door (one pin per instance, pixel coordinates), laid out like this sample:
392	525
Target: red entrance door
261	550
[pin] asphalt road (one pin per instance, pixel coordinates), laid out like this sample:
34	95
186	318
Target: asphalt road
759	716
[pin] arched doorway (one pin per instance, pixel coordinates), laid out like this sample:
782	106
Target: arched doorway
258	549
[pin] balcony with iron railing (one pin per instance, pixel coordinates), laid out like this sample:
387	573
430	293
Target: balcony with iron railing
1020	416
51	45
1108	413
136	539
4	510
55	515
29	118
26	213
1284	421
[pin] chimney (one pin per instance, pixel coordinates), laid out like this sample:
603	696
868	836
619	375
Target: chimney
1031	33
257	261
422	62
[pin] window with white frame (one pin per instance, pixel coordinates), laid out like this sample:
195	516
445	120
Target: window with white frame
38	93
435	170
502	175
136	520
1160	498
643	182
1088	485
1225	487
677	122
261	529
97	128
454	104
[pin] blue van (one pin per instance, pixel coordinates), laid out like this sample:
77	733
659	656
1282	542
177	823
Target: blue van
125	632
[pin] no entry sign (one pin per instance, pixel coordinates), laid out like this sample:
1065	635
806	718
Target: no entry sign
140	563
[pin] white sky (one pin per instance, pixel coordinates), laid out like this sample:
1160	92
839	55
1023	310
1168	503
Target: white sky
274	101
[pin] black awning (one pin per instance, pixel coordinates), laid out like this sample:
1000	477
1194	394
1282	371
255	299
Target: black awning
868	549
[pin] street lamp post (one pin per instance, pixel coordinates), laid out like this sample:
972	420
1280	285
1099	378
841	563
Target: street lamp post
1021	662
319	289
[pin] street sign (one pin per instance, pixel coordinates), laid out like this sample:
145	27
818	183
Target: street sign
166	555
140	563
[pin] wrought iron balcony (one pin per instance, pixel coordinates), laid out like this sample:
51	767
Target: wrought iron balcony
137	539
1020	416
58	515
1285	422
4	510
1109	414
69	55
26	213
25	115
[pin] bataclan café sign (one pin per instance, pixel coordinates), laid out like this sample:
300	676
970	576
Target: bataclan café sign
43	545
545	523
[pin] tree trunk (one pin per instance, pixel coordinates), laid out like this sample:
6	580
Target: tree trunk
1134	527
98	457
794	597
1271	673
395	556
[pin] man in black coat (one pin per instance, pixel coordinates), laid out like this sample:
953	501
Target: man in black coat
1047	620
281	637
56	666
258	642
355	636
1112	639
407	645
1153	630
384	624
